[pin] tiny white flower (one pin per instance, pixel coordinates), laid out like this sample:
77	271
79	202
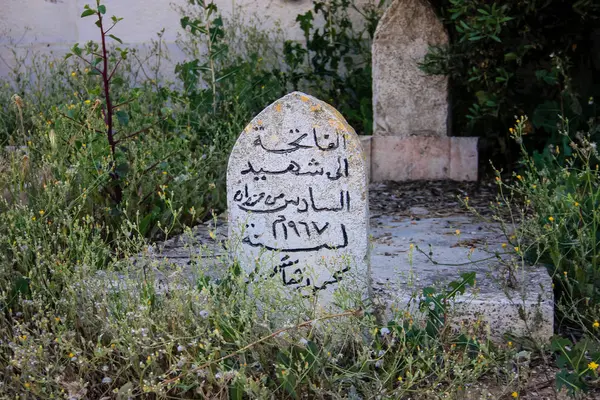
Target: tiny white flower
106	379
180	348
303	341
204	313
384	331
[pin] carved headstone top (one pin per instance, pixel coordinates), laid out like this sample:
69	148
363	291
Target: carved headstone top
297	194
406	101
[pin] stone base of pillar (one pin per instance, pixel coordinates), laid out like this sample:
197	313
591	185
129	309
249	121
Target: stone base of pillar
413	158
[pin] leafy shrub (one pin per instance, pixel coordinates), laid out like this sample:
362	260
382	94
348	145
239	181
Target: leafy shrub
558	219
334	63
534	57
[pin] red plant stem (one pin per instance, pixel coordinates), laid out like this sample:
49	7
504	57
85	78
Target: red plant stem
106	81
117	192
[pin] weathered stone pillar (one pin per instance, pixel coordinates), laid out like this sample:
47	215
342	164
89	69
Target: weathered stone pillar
411	108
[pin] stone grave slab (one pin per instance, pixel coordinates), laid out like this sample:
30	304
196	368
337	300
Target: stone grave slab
400	272
297	195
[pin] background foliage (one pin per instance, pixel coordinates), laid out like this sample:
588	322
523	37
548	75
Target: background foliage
535	57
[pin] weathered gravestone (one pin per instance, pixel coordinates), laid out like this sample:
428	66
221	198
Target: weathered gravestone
297	195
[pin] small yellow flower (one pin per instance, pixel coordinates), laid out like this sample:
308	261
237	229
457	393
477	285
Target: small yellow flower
511	130
33	218
514	394
519	177
73	74
164	172
497	179
517	249
87	102
510	344
593	366
86	70
457	231
576	204
533	186
399	379
504	245
411	246
551	219
27	385
565	273
71	355
596	324
57	319
42	212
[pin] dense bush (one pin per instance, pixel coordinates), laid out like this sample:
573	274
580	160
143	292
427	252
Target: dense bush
533	57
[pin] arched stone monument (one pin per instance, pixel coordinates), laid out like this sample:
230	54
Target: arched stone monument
297	195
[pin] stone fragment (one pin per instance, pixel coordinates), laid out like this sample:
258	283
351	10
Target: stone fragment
418	211
464	158
297	195
406	101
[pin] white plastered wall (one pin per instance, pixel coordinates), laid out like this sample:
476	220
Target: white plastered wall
54	26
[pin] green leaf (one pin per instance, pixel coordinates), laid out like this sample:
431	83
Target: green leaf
510	56
113	37
123	117
76	50
570	381
122	169
87	13
102	9
236	391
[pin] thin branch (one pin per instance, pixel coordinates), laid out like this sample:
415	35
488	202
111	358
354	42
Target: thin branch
133	134
158	162
123	103
496	256
89	63
109	29
81	123
114	69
